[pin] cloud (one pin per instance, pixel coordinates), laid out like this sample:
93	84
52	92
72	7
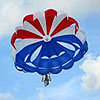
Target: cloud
77	7
68	91
5	96
91	77
10	14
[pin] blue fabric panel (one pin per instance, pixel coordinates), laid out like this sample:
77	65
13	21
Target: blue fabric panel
49	49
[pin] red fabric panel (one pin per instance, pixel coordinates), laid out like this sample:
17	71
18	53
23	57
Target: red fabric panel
38	26
23	34
49	16
74	21
28	18
35	23
13	38
66	22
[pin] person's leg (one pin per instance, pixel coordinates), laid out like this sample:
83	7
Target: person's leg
43	78
49	78
46	83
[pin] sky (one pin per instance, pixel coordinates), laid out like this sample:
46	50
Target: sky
82	82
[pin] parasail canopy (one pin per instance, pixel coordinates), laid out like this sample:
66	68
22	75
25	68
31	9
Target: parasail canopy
48	42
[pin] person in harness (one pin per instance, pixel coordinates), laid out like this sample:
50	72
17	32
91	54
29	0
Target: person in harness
46	79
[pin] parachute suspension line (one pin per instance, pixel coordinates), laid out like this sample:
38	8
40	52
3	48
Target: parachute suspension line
46	79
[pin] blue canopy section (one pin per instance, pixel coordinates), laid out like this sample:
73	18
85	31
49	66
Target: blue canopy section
51	57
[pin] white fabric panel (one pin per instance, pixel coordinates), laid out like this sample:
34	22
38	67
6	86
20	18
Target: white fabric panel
77	51
19	68
61	17
18	28
67	31
13	53
67	45
61	53
66	63
56	21
27	26
42	21
44	57
30	64
54	56
76	45
41	17
81	35
55	67
18	39
61	12
35	54
26	58
25	42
